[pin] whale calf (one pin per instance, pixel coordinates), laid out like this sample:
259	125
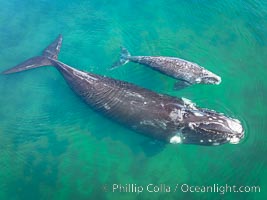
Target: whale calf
187	73
162	117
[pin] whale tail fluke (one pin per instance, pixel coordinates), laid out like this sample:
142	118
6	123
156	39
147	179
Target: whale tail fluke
124	58
51	52
53	49
31	63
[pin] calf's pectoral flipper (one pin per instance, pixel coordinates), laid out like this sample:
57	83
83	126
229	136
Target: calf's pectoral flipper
181	85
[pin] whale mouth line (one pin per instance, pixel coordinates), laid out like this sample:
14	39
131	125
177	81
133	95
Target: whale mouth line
211	79
234	140
232	134
219	80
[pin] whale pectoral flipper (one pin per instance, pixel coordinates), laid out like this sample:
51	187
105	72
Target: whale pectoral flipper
152	147
124	58
49	54
181	85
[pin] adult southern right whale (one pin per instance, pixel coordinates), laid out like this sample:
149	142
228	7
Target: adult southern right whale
162	117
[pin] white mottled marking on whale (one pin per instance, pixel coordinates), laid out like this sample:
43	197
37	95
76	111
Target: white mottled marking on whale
106	106
29	66
189	103
147	122
191	125
236	126
236	120
176	115
198	114
175	139
198	80
116	99
234	140
161	123
84	76
134	94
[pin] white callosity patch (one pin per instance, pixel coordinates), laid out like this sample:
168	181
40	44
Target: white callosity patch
176	114
234	140
198	114
213	122
192	125
209	77
235	125
189	103
198	80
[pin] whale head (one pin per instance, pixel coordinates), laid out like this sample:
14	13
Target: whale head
207	127
208	77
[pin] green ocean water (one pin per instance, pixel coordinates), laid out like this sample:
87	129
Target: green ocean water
53	146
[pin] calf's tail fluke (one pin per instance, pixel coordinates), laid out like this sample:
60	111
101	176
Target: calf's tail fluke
50	53
124	58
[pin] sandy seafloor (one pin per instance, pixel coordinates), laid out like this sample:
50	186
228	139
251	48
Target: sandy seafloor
53	146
